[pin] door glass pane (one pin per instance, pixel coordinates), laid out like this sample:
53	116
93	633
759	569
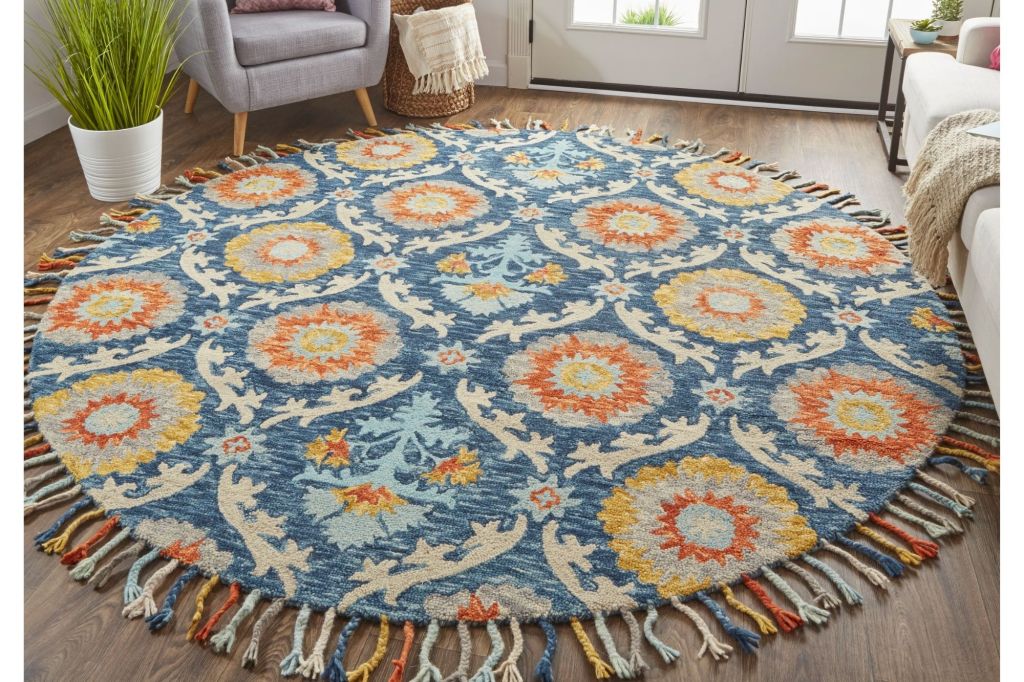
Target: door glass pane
818	17
639	13
685	14
592	11
865	19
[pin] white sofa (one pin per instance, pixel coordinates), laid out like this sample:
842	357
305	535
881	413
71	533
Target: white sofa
936	86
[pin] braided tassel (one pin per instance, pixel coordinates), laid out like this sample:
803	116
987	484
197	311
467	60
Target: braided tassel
486	671
85	567
711	643
145	604
509	668
764	624
787	620
132	591
747	640
808	612
636	661
543	670
668	654
313	665
874	576
398	664
979	474
201	596
163	616
946	489
852	596
934	530
821	595
892	567
602	670
224	641
100	577
50	532
619	664
234	591
252	652
910	503
428	672
75	555
290	663
923	548
905	555
362	673
59	543
465	649
335	671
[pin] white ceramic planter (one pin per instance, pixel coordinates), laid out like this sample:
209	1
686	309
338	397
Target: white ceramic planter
950	28
118	164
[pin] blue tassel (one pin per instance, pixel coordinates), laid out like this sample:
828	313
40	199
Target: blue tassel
335	671
52	531
163	616
747	640
132	591
977	473
543	670
892	567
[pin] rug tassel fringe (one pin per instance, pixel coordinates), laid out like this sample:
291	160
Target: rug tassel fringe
822	596
103	573
852	596
224	640
636	660
252	652
952	505
934	530
719	650
910	503
892	567
428	672
132	590
234	592
197	613
313	665
74	556
667	653
52	531
923	548
978	474
84	569
145	604
335	671
787	620
748	641
946	489
42	498
162	617
486	671
365	669
602	670
32	481
59	543
290	663
764	623
399	664
619	664
808	612
873	575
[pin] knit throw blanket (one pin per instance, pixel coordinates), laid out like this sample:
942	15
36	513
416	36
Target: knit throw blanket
442	48
952	166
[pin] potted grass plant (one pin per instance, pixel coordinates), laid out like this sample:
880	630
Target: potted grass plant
106	63
950	13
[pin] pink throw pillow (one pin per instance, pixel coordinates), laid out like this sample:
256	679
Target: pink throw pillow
993	62
251	6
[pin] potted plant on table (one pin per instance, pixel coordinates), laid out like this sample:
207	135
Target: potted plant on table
924	31
950	13
106	62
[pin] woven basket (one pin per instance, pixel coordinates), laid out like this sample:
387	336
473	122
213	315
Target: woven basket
399	81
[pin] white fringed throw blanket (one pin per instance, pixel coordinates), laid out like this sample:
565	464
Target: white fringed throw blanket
952	166
442	48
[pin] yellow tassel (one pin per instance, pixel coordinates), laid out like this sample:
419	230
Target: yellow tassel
40	290
990	464
904	554
764	623
602	670
34	440
204	592
363	671
59	543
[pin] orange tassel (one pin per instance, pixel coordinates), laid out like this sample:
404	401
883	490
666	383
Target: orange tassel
75	555
409	632
207	629
925	548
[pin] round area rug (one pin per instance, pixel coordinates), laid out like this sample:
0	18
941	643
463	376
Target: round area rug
497	376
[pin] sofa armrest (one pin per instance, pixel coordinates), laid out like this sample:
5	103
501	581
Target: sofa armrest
208	46
978	37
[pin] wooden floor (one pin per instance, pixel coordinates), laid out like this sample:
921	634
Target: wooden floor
941	622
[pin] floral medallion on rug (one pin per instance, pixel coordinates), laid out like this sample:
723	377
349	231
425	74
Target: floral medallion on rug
486	376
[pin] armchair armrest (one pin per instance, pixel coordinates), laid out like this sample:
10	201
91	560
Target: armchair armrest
376	14
978	37
206	41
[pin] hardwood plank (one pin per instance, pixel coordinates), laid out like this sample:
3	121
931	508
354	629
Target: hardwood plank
941	622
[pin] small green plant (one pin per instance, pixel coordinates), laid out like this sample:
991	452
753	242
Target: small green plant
105	61
649	17
947	10
926	25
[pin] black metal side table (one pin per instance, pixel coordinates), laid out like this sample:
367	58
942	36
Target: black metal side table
900	43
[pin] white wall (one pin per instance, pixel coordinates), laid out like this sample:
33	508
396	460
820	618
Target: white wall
42	113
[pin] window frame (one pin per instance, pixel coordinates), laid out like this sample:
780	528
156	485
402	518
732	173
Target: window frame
650	30
837	39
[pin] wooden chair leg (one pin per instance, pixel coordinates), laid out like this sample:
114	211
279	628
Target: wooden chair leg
190	97
364	104
241	119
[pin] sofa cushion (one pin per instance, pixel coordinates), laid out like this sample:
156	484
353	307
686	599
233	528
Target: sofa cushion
981	201
979	295
937	86
277	36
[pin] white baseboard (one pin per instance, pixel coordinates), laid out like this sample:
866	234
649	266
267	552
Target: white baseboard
44	119
498	74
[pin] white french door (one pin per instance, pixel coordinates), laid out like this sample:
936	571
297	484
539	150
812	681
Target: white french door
691	44
800	49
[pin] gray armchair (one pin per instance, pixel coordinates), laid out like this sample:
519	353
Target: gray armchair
256	61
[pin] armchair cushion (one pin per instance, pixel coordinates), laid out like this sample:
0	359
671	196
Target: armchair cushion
277	36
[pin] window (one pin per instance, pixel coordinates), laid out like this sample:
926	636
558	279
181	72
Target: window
663	15
853	19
